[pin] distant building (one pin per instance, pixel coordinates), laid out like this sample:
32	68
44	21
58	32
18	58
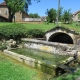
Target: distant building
4	13
19	16
43	18
75	16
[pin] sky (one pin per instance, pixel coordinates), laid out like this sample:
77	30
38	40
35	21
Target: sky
43	5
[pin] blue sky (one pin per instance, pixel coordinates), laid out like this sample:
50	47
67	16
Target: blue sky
42	6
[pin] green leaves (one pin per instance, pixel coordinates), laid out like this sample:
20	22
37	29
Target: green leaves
52	13
34	15
15	31
36	33
16	6
67	15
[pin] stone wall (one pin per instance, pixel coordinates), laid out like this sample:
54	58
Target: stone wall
71	33
50	69
46	68
4	12
51	47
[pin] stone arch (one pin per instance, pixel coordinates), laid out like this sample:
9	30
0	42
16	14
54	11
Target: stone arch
61	37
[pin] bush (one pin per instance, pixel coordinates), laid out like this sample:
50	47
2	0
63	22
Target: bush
14	31
35	33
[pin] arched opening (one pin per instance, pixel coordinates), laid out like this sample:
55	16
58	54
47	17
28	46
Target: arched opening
61	37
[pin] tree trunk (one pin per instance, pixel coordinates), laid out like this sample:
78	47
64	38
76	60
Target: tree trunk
11	15
10	19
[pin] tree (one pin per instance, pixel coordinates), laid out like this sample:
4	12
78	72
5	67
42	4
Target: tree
52	13
34	15
17	6
67	16
48	19
60	13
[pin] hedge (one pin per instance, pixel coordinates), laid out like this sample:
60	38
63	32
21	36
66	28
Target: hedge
35	33
14	31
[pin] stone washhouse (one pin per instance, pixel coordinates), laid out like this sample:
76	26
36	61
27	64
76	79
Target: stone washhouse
57	40
62	35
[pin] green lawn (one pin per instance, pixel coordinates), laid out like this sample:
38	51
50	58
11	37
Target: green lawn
46	27
4	23
72	27
13	70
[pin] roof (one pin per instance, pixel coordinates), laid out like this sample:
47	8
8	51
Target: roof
3	17
3	4
76	12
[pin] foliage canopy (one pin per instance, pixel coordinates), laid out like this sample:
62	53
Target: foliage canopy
52	13
67	16
34	15
16	6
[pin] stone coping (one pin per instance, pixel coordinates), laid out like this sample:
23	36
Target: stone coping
44	42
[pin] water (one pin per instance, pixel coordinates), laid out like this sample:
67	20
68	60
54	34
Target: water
47	58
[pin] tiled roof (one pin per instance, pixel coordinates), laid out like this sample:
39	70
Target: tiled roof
3	17
76	12
3	4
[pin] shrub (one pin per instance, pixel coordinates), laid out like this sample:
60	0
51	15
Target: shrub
35	33
14	31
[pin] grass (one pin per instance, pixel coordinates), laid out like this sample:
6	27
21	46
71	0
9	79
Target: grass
4	23
13	70
42	56
72	27
46	27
